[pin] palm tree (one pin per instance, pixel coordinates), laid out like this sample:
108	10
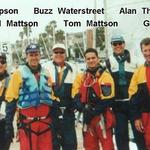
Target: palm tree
21	34
60	37
27	30
100	38
50	29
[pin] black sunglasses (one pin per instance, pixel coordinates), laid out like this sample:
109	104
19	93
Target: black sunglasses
117	43
59	52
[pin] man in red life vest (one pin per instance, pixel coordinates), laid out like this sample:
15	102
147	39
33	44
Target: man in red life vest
93	91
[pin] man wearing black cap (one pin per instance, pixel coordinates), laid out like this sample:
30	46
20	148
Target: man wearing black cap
30	86
6	127
122	66
63	75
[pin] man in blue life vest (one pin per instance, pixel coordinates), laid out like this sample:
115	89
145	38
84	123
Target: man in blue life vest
63	74
121	66
30	87
6	126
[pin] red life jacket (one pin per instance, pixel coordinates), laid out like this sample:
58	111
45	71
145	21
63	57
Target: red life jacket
89	80
148	78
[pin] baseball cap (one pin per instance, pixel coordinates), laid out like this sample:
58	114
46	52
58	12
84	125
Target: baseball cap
60	46
32	48
116	38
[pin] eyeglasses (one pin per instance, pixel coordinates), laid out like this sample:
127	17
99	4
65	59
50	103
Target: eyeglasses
59	52
117	43
2	62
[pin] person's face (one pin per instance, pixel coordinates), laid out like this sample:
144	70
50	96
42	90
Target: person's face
146	52
33	59
3	65
59	56
118	47
91	60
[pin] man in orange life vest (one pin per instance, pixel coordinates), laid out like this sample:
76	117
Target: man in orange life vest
93	93
30	87
139	92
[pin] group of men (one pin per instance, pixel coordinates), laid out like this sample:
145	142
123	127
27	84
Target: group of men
46	97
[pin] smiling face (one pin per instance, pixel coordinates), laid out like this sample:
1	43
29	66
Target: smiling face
33	59
91	60
118	47
146	52
59	56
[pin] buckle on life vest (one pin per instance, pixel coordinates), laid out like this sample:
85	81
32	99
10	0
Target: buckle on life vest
36	118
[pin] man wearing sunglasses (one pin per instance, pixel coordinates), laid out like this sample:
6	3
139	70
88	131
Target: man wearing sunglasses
63	74
30	87
121	66
6	127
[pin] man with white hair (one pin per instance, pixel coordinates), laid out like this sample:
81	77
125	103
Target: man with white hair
63	75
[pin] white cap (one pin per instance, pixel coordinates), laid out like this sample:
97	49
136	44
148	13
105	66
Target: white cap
59	45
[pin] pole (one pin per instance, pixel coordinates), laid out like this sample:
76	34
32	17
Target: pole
45	46
80	49
66	44
106	29
54	40
17	54
94	29
28	35
84	41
